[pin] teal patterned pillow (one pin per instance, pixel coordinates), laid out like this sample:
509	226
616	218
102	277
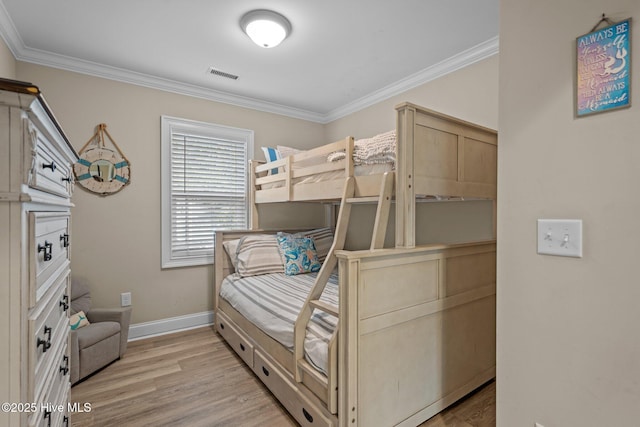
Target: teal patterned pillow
299	254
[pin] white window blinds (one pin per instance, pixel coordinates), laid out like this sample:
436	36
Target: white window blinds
204	187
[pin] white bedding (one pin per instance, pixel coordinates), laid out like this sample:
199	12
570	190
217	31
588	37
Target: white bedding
370	151
272	303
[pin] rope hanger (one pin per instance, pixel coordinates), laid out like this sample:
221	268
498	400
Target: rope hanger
98	139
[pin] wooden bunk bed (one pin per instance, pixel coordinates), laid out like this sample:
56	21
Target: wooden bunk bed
415	326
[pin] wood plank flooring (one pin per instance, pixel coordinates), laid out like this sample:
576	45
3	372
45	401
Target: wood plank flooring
194	379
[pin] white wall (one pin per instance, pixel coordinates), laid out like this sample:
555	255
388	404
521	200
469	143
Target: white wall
568	329
7	62
470	93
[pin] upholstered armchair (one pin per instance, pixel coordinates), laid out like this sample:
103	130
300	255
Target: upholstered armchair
103	340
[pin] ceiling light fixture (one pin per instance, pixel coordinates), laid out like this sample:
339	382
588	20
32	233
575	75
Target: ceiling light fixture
265	27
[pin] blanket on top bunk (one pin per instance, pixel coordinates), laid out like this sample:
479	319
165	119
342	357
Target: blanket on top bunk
370	151
272	303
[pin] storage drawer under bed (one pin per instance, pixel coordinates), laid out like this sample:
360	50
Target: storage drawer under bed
301	408
236	339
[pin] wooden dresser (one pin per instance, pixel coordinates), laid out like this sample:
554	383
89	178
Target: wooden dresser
36	182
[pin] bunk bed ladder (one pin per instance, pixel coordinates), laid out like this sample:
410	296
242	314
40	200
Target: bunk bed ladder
383	200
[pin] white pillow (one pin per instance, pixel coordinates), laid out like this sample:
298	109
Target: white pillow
231	247
271	154
287	151
78	320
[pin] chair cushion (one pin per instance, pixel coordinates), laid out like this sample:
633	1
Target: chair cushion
95	332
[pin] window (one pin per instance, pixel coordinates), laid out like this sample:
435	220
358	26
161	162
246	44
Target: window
204	187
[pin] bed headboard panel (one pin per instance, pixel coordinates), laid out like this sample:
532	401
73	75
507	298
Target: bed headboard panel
440	155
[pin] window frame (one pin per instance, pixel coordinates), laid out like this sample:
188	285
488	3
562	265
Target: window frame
170	125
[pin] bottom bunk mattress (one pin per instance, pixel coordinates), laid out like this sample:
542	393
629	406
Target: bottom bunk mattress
272	303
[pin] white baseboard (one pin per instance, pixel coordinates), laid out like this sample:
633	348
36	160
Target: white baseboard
167	326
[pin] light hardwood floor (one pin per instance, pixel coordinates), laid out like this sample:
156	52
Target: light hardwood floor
193	379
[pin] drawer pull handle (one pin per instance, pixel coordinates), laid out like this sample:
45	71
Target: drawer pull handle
65	420
65	369
307	415
221	325
47	416
241	346
46	248
64	238
45	344
51	166
67	179
64	302
265	371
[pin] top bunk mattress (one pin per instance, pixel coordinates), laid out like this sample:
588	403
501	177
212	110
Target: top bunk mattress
272	303
359	170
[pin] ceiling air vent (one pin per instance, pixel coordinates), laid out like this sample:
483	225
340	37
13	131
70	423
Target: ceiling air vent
222	74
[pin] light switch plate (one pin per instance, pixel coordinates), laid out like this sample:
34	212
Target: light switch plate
562	237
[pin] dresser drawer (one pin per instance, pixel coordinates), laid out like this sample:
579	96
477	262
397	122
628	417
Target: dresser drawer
51	171
235	339
48	340
60	412
301	408
49	251
55	401
52	406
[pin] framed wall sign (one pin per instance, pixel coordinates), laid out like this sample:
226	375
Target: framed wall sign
604	68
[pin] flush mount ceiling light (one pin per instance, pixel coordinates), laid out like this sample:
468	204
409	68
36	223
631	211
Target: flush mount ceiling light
265	27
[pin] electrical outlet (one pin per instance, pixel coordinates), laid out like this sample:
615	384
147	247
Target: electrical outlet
125	299
562	237
538	425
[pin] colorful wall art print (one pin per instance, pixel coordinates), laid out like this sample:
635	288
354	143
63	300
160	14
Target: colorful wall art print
604	68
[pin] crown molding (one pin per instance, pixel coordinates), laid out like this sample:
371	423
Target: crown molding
23	53
126	76
463	59
9	33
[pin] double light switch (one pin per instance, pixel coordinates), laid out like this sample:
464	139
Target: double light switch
562	237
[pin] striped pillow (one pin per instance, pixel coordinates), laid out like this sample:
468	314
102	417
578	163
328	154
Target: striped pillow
258	254
323	239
